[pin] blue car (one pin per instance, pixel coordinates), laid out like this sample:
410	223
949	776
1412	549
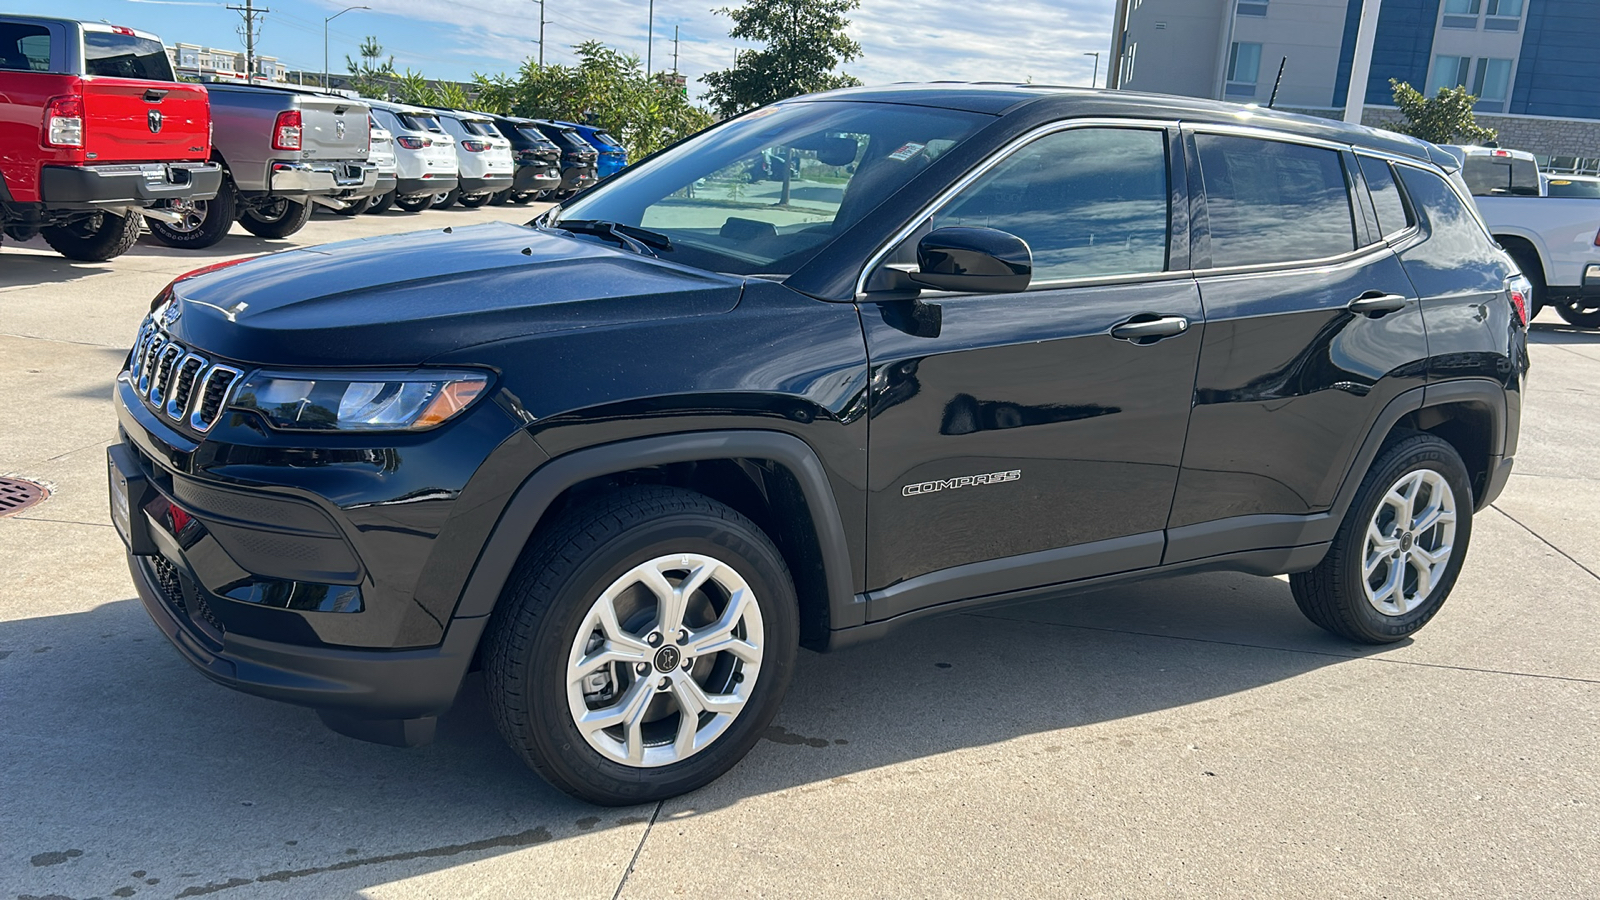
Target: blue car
613	156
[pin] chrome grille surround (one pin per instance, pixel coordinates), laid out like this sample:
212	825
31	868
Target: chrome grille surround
177	382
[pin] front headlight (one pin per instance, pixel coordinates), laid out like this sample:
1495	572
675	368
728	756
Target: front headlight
359	401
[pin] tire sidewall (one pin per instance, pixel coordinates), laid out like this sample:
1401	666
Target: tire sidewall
1409	456
559	742
221	211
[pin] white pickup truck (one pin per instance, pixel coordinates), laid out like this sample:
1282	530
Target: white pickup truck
1555	240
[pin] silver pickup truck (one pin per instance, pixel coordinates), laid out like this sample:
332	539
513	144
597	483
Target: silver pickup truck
283	150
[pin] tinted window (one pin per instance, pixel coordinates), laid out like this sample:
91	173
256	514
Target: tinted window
480	128
1453	231
1089	202
1392	215
1271	201
1486	175
1572	187
24	48
420	123
125	56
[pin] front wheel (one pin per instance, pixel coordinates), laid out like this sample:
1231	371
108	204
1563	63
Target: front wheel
642	645
1398	552
96	237
1582	313
277	219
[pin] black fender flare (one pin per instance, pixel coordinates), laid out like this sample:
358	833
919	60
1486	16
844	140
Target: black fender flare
528	505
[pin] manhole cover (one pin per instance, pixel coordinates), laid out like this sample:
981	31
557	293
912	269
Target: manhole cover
17	495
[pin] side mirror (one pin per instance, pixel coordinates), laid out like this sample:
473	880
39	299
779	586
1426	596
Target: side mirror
973	260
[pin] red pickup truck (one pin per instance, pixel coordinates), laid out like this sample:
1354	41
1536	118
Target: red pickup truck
95	130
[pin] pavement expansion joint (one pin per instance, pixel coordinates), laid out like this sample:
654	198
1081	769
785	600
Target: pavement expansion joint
1542	540
656	813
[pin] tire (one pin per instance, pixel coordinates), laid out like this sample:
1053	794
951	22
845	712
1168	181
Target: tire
550	614
205	222
381	204
473	201
94	238
356	208
277	219
1532	270
1337	598
1582	313
415	202
447	200
500	198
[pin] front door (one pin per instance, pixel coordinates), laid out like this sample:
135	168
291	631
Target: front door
1014	441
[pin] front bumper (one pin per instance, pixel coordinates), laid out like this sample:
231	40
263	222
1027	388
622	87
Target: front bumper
324	177
132	184
485	184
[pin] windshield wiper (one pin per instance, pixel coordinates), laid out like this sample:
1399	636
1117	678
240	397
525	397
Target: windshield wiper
637	239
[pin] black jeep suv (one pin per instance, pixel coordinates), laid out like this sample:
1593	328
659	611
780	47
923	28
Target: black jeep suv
980	342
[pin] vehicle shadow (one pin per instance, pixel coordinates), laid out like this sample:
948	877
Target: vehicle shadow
1561	333
101	715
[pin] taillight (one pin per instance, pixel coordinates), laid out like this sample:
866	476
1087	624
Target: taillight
474	146
411	143
1519	288
63	122
286	130
1597	238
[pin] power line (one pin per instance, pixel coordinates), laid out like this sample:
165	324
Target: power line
248	12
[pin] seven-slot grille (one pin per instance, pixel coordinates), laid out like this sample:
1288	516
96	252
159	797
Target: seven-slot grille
178	382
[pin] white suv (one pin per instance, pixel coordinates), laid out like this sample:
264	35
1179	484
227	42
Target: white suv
483	154
425	156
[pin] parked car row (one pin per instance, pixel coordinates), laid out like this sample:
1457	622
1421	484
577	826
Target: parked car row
98	136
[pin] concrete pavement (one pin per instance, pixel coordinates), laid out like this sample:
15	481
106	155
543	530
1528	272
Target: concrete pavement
1194	737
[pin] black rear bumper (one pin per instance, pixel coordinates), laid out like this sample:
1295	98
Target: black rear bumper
131	184
410	187
486	184
536	178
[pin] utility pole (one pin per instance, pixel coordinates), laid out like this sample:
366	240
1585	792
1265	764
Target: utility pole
1355	99
249	12
1096	75
541	32
650	37
674	49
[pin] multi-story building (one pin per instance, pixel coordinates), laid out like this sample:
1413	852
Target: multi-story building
207	63
1533	64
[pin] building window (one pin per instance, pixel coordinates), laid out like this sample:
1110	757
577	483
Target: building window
1252	7
1463	7
1490	84
1244	69
1128	57
1449	72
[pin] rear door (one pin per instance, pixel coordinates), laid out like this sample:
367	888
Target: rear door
1312	327
1017	442
136	111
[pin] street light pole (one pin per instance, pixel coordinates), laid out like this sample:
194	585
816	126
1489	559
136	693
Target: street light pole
325	79
650	38
1096	76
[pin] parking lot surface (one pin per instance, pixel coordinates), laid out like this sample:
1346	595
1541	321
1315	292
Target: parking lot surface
1192	737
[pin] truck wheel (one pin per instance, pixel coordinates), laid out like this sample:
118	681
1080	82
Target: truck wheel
1582	313
473	201
642	645
446	200
1398	552
356	207
94	238
277	219
381	204
415	202
205	222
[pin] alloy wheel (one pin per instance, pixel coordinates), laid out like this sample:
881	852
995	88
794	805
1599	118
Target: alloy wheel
1409	542
665	660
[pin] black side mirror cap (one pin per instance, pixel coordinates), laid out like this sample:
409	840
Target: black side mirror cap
973	260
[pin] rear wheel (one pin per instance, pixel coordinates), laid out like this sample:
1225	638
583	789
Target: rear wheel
356	207
1398	552
473	201
381	204
202	224
277	219
642	645
415	202
1582	313
96	237
500	198
446	200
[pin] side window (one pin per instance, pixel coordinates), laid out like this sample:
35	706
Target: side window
1090	202
24	48
1453	232
1392	215
1273	201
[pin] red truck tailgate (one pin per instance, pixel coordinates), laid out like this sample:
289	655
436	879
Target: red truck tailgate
132	120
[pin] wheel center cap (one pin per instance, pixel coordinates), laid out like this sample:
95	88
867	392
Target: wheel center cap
667	659
1406	541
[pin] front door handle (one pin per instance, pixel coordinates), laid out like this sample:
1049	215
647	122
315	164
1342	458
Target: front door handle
1149	329
1377	303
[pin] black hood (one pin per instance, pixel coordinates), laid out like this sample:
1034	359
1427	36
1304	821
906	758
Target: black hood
403	299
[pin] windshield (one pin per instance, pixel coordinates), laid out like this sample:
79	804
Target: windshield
1574	187
764	193
125	56
1489	175
480	127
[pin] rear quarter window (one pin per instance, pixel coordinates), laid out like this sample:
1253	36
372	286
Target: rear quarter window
1273	201
24	48
1392	215
125	56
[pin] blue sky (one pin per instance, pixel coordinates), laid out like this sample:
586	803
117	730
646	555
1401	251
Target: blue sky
902	40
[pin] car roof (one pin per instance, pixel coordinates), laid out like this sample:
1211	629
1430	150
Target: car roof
995	98
393	107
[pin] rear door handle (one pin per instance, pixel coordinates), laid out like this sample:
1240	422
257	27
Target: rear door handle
1376	303
1148	330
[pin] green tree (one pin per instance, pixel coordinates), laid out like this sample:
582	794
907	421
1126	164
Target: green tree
373	75
804	42
416	88
1442	118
